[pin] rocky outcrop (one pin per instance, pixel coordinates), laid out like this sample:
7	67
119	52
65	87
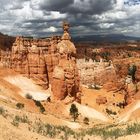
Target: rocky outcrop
65	78
101	100
137	74
97	73
6	41
52	56
37	68
49	61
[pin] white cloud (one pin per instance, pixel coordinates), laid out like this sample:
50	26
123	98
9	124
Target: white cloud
33	17
106	25
52	29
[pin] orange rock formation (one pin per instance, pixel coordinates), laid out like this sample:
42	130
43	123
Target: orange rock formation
49	61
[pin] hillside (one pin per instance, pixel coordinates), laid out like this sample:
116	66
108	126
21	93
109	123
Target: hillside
48	91
105	38
15	120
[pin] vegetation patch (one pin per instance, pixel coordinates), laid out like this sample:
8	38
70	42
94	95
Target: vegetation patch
3	112
41	107
20	105
74	112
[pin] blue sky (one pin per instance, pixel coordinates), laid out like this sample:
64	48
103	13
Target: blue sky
131	2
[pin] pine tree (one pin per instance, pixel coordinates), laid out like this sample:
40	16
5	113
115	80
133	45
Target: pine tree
131	71
74	112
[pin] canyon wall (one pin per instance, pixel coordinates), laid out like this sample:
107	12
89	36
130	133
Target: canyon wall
50	62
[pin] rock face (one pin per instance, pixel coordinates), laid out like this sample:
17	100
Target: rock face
101	100
6	41
65	78
96	72
137	74
52	56
28	59
49	61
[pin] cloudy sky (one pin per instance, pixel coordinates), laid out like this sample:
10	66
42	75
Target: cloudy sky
40	18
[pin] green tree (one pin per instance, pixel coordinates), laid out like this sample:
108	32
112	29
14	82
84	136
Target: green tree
74	112
131	71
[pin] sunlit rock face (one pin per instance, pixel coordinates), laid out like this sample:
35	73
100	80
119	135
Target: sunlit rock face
65	78
92	72
49	61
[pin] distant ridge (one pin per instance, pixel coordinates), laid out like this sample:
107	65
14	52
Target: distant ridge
105	38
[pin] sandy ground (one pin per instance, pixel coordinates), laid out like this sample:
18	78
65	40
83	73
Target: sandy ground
13	89
129	112
90	95
130	137
27	86
10	132
89	112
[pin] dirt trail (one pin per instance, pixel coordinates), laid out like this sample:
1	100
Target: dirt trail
89	112
125	116
27	86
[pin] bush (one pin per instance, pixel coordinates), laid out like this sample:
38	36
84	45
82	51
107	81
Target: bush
53	131
3	112
24	119
110	112
28	96
86	120
15	123
38	104
49	99
20	105
20	119
131	71
121	104
42	109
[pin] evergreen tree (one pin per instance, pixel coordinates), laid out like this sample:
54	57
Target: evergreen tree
131	71
74	112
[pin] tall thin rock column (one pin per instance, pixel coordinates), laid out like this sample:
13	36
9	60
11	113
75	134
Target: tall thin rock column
65	78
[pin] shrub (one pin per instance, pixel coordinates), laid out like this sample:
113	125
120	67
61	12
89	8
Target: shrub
129	55
3	112
86	120
106	132
20	105
38	104
21	119
133	129
49	99
131	71
121	104
42	109
110	112
28	96
24	119
15	123
53	131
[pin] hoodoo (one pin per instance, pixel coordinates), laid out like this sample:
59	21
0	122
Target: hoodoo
65	83
49	62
